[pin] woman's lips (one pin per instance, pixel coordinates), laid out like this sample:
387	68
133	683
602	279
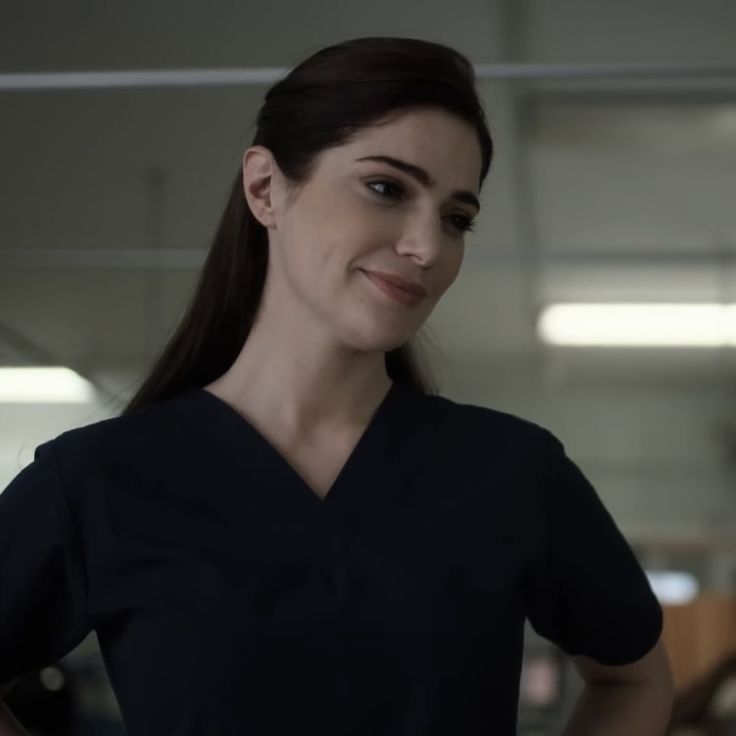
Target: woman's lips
408	298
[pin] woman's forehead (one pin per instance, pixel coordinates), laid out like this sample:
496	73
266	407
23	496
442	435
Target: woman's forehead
448	153
419	128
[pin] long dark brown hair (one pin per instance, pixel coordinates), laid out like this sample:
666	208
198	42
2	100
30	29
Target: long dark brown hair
321	103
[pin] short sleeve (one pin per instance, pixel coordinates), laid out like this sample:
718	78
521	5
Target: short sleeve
587	592
42	583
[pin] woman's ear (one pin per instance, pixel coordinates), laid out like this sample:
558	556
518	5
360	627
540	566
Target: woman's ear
261	184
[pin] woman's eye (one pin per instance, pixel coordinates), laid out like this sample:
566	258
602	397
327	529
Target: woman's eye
385	183
464	224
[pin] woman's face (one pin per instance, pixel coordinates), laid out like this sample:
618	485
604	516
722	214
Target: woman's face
355	215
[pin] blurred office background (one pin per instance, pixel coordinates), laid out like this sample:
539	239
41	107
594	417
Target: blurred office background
614	183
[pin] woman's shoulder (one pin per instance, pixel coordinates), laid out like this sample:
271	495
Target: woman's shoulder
495	421
134	435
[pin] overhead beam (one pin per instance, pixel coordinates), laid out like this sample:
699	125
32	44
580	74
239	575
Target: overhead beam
269	75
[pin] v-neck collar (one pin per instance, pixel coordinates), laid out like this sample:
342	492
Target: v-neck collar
371	464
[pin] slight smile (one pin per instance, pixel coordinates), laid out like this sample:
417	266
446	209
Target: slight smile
403	296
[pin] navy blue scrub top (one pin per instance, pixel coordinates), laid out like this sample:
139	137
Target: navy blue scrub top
229	598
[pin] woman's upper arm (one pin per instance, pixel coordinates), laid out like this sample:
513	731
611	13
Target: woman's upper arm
653	666
587	591
43	612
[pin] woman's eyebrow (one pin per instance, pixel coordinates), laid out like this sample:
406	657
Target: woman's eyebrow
461	195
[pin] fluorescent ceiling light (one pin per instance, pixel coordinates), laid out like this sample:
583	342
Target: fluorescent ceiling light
647	325
673	587
44	385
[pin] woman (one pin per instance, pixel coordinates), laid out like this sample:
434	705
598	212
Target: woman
287	530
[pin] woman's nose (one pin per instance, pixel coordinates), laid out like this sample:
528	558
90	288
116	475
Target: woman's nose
423	237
